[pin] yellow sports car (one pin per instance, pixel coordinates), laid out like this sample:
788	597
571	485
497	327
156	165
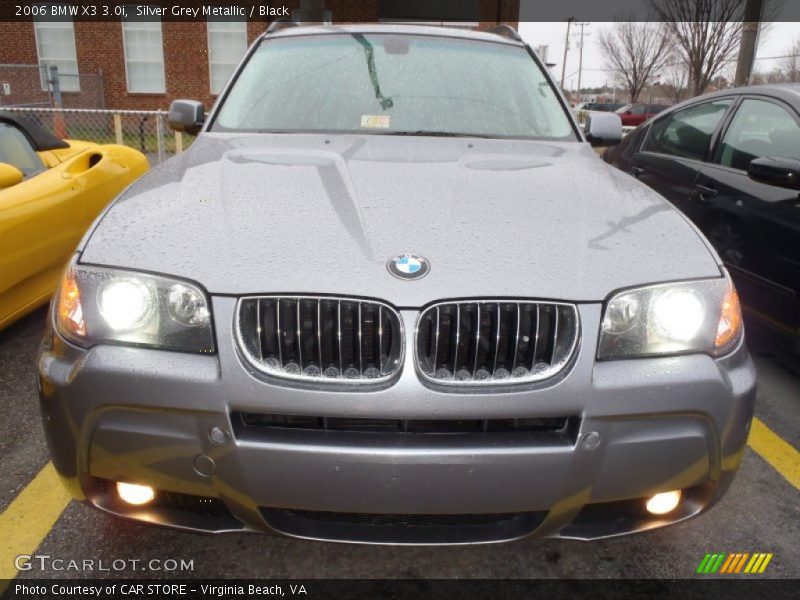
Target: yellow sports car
50	192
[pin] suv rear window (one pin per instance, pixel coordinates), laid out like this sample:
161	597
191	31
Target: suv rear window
393	83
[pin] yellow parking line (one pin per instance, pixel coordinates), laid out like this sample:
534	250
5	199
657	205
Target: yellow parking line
781	455
30	517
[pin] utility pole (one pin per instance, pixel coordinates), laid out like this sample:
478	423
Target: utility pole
566	49
747	47
656	80
580	57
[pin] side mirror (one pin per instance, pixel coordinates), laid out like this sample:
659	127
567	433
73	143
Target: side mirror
780	172
186	116
9	175
603	129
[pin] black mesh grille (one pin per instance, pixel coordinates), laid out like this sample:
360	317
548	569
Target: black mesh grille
190	502
403	528
252	423
471	343
321	338
404	520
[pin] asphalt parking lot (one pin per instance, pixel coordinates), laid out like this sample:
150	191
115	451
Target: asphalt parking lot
761	513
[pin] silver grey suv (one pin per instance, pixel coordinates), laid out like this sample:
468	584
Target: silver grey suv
391	295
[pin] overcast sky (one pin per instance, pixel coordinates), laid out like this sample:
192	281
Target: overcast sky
778	39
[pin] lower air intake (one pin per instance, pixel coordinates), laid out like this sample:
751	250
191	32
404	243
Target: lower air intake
256	425
403	528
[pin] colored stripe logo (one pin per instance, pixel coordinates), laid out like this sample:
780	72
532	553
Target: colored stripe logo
734	563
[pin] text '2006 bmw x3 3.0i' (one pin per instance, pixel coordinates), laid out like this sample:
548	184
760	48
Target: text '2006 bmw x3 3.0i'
391	295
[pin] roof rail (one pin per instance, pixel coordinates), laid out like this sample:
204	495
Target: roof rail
281	23
506	31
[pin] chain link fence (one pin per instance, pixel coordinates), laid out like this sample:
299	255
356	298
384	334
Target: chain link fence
27	86
72	106
144	130
24	85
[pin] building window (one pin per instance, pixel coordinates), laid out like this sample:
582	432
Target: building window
227	44
55	45
144	56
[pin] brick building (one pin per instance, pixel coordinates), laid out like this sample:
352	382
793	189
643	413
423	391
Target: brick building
137	64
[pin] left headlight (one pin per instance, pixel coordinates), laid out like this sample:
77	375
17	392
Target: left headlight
96	305
672	318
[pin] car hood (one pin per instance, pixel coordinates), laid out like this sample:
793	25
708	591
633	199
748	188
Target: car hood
279	213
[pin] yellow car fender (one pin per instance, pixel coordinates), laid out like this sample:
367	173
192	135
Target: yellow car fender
43	218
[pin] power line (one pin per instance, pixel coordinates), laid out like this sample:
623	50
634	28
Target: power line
776	57
680	62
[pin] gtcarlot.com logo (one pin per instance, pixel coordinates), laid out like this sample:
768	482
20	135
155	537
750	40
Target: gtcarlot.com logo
734	563
45	562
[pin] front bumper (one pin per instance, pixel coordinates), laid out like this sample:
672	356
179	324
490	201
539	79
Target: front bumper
637	427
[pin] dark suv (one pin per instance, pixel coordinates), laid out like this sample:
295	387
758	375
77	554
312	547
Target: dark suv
731	161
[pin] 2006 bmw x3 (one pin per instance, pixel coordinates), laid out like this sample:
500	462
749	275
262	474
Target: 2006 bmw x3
390	295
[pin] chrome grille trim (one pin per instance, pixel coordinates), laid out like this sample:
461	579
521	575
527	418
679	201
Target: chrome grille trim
504	342
315	352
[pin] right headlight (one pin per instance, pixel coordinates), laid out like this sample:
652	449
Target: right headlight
671	318
97	305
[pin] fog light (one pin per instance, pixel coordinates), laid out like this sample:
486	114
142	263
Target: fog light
661	504
135	494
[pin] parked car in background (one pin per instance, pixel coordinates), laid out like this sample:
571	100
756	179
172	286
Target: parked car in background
636	114
602	106
50	192
581	110
731	162
390	295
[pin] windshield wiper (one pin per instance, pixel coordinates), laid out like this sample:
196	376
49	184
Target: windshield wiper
426	133
386	103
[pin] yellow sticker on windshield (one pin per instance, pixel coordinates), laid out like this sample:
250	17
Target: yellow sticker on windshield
381	121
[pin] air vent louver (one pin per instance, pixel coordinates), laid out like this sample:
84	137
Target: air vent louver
498	342
321	338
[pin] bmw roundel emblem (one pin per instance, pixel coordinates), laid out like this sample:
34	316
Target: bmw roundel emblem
408	266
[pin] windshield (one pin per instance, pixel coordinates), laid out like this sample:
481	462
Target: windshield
16	150
393	84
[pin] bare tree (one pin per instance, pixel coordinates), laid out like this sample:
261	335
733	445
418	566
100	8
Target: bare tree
705	33
775	75
675	78
634	52
758	78
790	64
787	71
